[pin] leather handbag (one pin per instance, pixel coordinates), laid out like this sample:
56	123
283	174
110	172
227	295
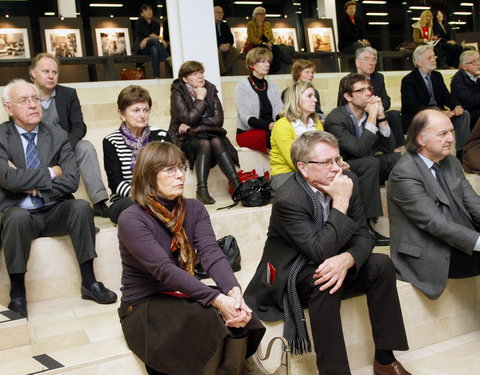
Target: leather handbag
254	365
131	74
230	249
244	176
255	192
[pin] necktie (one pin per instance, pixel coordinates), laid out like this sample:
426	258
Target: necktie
33	161
428	80
458	214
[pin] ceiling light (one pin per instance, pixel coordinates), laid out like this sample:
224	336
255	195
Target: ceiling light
297	4
457	23
248	2
463	13
133	18
419	7
374	2
160	6
103	5
466	4
49	13
272	15
379	23
377	14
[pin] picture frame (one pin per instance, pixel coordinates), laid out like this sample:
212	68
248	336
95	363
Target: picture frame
63	43
286	35
14	43
239	36
113	41
320	39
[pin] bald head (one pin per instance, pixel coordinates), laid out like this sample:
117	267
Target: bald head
218	14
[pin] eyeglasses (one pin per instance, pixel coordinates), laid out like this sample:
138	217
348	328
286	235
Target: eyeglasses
327	163
363	90
172	171
473	62
24	101
259	14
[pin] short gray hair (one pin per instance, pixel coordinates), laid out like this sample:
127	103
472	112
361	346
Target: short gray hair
6	93
419	51
258	10
361	51
302	146
465	55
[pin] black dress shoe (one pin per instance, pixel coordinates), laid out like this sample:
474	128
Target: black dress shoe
378	239
99	293
100	209
19	306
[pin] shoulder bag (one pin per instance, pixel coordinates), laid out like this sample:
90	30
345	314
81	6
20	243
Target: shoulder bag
254	365
230	249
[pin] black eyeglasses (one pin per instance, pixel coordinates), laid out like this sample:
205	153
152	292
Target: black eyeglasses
327	163
364	89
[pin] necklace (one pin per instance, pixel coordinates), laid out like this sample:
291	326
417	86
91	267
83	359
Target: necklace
255	86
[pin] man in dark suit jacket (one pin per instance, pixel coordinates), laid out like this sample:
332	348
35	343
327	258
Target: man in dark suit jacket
366	62
227	53
417	95
465	85
61	107
317	219
366	142
38	175
434	212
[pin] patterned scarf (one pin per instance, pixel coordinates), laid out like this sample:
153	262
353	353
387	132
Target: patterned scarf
133	142
174	223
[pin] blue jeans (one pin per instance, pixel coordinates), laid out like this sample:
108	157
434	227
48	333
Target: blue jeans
158	52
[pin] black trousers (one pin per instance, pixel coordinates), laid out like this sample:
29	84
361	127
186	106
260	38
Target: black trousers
372	172
463	265
19	227
377	280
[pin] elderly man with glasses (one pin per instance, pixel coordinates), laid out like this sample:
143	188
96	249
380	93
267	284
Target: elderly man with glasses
318	252
38	174
366	143
424	88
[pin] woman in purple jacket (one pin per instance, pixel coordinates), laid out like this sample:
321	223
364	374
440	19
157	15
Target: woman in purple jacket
173	322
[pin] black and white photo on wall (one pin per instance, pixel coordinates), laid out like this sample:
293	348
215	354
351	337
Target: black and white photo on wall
63	43
14	44
113	42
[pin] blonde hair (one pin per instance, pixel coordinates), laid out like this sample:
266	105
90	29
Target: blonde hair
422	21
257	54
293	94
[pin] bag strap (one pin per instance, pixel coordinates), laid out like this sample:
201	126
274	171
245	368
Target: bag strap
258	358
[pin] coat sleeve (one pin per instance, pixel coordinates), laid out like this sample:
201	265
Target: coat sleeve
113	168
216	118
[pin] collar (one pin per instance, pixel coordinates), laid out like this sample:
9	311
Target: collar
298	123
471	76
429	163
22	130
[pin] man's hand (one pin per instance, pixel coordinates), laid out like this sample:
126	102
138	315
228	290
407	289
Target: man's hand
57	171
372	108
331	273
458	110
11	165
340	190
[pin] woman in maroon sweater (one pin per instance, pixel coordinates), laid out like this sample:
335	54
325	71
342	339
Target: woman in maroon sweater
173	322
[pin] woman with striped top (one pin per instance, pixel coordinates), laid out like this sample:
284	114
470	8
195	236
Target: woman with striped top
121	148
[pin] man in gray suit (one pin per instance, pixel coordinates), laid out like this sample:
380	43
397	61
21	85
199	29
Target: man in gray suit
61	107
38	174
434	212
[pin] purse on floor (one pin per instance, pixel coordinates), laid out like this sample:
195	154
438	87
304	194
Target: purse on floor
254	365
230	249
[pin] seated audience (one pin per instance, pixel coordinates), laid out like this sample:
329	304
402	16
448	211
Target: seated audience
450	48
434	213
351	30
38	174
424	87
196	126
465	86
304	70
318	252
423	34
121	148
148	40
260	34
173	322
227	53
366	62
61	107
298	116
366	142
258	103
471	151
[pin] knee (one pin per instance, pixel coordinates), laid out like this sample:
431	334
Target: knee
83	148
383	266
80	208
16	217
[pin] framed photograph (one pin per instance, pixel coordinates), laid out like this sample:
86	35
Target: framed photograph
239	36
320	39
113	42
287	36
63	42
14	44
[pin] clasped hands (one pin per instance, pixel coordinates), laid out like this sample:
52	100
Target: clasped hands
375	110
232	308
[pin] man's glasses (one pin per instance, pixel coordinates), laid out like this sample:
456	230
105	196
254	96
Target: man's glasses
363	90
327	163
24	101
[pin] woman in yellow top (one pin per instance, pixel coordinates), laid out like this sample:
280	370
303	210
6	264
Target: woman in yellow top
260	34
298	116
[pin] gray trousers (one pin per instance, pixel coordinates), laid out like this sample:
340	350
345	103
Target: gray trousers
226	60
89	167
462	129
19	227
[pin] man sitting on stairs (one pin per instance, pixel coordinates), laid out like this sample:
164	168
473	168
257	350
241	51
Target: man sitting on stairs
38	174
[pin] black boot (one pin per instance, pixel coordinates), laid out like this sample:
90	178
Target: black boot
228	169
202	168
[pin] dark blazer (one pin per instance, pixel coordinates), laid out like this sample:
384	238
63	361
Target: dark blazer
415	96
291	232
378	83
422	229
466	91
53	148
225	35
349	32
340	124
70	113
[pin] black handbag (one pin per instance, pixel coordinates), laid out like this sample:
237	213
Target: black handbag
255	192
230	249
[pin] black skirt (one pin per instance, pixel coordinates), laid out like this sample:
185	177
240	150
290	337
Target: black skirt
177	335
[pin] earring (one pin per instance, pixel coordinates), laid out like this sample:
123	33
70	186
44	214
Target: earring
252	68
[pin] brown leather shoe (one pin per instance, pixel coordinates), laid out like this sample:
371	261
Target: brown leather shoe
394	368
